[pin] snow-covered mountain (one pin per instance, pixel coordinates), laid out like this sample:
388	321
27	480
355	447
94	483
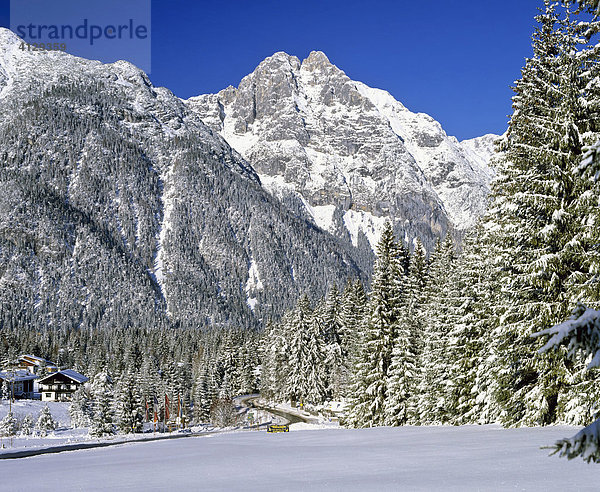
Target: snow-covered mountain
119	206
348	154
122	204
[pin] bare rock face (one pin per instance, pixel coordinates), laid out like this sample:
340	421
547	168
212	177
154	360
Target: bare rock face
354	155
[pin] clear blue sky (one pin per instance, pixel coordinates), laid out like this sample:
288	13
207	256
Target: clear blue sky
452	59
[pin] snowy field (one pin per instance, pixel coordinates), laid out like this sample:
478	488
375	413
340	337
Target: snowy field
64	434
409	458
60	412
20	408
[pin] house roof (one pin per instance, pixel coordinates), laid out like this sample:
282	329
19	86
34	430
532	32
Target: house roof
35	360
19	375
80	378
70	373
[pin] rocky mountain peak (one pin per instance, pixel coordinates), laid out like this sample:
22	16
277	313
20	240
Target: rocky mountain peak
350	155
315	60
119	203
278	61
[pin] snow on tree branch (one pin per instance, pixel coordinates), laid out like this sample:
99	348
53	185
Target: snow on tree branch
580	333
591	3
584	444
589	163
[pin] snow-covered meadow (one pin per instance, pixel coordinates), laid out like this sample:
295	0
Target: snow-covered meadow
20	408
60	413
64	434
400	458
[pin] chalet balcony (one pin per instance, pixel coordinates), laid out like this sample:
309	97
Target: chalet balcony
58	388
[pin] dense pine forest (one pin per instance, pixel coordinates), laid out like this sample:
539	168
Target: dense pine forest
450	338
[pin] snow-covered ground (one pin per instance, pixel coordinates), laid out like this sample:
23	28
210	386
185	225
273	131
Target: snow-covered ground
60	413
405	458
20	408
64	434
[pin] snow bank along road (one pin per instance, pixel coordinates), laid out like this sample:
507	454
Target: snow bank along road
381	459
26	453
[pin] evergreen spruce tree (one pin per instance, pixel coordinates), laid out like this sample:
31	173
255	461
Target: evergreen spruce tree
27	425
584	280
202	397
435	389
127	405
8	425
229	361
150	382
80	409
352	317
532	222
305	379
182	390
5	390
416	295
580	334
370	376
334	337
269	370
246	377
45	422
399	408
471	347
102	424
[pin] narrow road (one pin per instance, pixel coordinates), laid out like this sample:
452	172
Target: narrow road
251	401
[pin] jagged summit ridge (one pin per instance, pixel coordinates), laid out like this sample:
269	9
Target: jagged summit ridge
353	155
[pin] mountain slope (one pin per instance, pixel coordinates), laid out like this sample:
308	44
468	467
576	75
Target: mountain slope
119	206
351	154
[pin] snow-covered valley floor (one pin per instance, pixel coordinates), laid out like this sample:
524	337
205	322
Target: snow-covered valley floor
64	434
408	458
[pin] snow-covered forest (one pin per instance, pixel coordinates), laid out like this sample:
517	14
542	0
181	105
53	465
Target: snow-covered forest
197	371
448	339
